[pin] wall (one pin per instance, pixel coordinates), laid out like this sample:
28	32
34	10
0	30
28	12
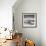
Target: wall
6	13
43	22
28	6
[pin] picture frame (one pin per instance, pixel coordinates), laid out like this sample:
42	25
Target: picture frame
29	20
13	22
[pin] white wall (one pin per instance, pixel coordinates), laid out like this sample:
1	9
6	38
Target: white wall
6	13
28	6
43	22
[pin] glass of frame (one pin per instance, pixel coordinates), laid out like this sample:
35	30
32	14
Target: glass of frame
29	20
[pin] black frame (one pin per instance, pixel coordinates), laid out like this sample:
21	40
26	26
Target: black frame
34	14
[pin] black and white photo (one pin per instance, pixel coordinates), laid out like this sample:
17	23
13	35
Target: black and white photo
29	20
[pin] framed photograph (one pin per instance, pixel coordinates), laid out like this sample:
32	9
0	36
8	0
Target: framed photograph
13	22
29	20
